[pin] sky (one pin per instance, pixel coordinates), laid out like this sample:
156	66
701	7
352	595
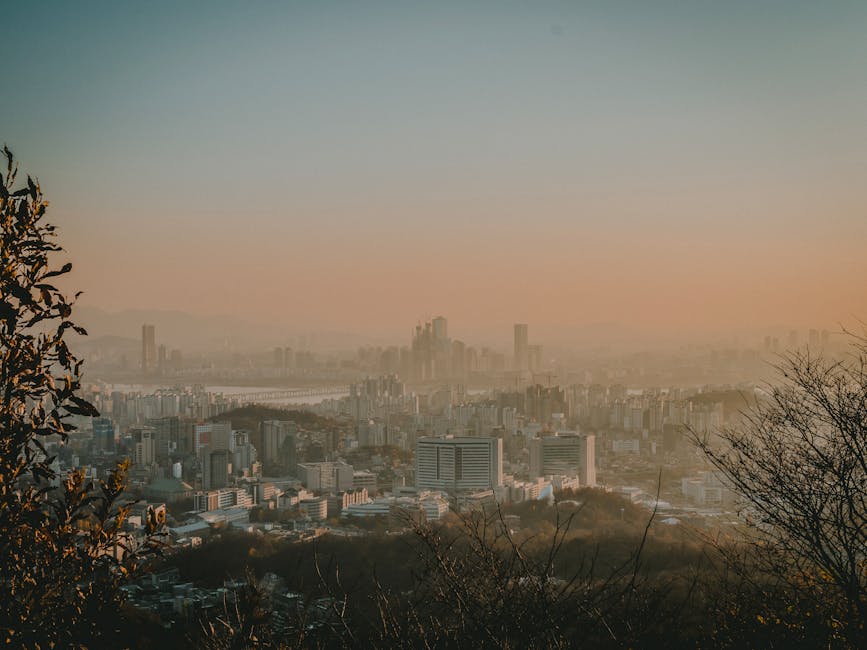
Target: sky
670	166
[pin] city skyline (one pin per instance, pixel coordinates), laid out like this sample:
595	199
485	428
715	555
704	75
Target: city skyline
500	324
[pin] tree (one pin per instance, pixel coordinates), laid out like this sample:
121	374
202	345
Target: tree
483	586
799	462
59	536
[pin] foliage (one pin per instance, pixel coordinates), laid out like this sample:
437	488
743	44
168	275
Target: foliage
63	555
466	581
800	465
469	581
242	621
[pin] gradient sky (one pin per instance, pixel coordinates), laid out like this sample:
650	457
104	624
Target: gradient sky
364	164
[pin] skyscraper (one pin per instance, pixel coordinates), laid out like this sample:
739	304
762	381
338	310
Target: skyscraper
422	353
440	329
216	468
522	345
103	434
167	435
148	348
162	359
278	444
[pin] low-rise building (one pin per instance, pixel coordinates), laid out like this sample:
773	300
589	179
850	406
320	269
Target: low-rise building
316	508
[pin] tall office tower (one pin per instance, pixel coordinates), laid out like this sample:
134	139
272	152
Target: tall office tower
221	436
278	444
442	349
456	464
522	345
569	455
459	360
145	455
118	405
167	435
534	358
440	329
148	348
216	468
421	353
103	434
162	359
245	454
279	359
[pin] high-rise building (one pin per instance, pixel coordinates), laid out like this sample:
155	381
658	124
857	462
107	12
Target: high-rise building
422	353
457	464
103	434
216	468
145	454
213	435
244	455
148	348
542	402
440	327
162	359
522	344
278	444
534	358
459	360
431	356
568	455
167	435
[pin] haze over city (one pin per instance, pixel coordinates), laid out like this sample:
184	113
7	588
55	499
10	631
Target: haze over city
667	169
399	324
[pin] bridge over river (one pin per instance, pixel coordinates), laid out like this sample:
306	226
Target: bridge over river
279	394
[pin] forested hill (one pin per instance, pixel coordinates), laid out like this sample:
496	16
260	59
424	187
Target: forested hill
249	417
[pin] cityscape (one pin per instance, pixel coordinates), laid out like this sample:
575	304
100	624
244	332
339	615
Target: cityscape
493	325
306	455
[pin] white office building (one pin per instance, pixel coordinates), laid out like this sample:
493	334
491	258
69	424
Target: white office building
459	464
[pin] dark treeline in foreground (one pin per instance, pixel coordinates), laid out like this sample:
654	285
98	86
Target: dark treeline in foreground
577	574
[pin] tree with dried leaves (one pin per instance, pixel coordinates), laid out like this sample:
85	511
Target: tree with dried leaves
59	535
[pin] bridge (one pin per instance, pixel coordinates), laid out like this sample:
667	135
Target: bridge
282	394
